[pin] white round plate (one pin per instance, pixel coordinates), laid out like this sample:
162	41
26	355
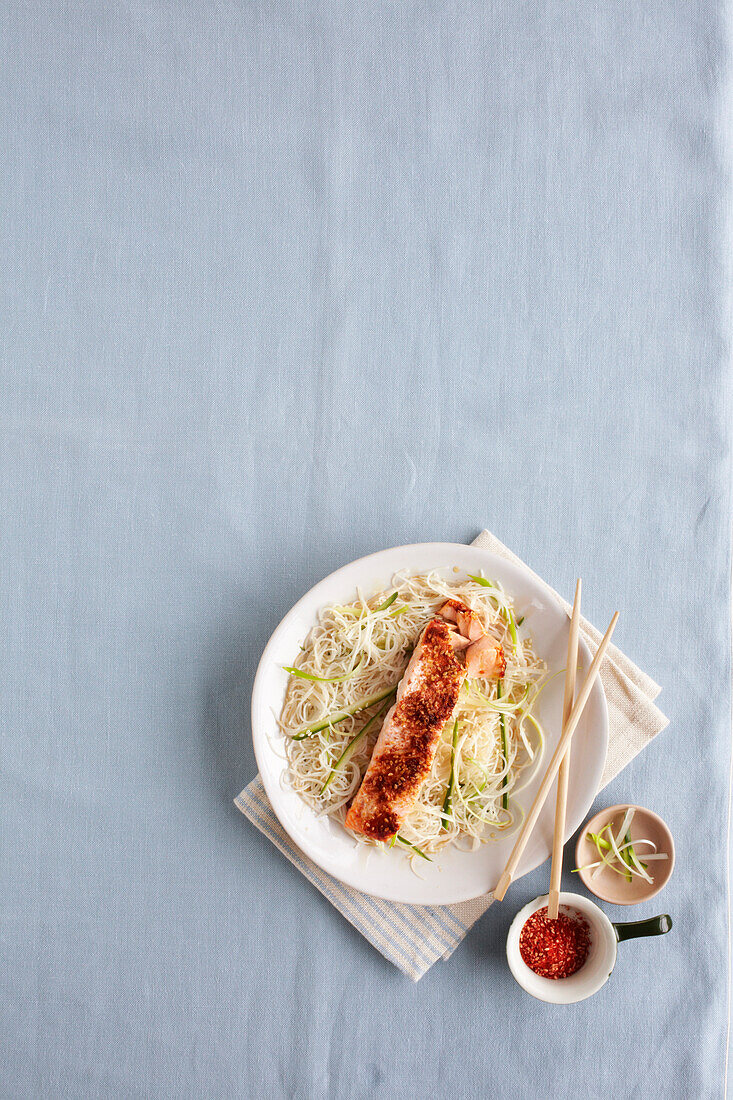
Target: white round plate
453	875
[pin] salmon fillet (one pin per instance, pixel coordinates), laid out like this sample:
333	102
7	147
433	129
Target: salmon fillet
407	743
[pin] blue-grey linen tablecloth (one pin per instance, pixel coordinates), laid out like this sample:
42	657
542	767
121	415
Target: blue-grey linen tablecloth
283	284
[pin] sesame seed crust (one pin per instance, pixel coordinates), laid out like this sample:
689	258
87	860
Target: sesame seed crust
406	746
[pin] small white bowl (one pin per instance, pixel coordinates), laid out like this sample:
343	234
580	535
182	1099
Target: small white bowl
598	967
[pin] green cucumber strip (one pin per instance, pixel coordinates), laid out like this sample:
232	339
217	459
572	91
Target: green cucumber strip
508	615
362	611
502	726
447	802
416	850
352	744
323	679
347	712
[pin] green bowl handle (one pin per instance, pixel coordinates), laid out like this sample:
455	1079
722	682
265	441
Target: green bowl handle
652	926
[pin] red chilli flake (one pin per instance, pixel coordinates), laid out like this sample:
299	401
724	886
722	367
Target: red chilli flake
554	948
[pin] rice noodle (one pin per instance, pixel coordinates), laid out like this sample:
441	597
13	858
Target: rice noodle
363	649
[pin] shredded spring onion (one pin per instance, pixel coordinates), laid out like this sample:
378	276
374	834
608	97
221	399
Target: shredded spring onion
502	727
301	674
618	852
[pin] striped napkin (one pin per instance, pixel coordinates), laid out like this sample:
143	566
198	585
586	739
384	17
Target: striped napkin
413	937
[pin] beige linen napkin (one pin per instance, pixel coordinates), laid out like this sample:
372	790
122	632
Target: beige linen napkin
413	937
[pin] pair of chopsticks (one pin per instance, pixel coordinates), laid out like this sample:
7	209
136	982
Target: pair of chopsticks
560	762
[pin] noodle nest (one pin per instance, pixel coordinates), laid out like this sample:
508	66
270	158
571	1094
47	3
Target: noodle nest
356	655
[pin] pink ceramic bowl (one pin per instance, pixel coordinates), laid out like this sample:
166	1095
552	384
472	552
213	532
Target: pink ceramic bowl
615	888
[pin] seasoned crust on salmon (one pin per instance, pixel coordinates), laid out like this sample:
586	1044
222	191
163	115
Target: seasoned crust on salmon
406	746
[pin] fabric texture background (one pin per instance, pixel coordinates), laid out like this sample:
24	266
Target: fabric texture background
283	284
415	937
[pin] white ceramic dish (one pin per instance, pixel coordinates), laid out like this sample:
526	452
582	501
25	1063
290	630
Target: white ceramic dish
598	967
453	876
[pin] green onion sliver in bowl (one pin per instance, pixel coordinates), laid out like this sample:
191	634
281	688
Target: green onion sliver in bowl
625	854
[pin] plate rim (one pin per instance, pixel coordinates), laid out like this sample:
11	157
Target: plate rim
258	740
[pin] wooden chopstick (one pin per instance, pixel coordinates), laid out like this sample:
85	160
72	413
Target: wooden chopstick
552	768
558	839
